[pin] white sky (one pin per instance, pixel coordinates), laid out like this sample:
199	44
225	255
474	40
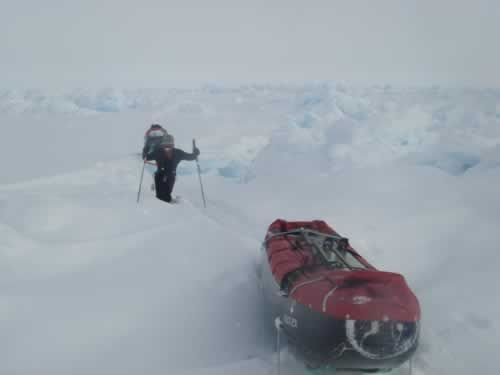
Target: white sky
152	43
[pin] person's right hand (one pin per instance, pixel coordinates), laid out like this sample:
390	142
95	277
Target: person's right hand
196	151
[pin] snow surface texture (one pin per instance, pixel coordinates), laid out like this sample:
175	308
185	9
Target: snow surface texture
93	283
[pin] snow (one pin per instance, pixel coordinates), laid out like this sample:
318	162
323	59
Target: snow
94	283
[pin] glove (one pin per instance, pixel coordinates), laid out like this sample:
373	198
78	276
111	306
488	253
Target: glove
196	151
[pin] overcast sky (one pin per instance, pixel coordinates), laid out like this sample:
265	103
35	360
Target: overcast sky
155	43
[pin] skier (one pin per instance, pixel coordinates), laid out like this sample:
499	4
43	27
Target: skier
152	138
167	158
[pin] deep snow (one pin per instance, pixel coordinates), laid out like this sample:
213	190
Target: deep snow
93	283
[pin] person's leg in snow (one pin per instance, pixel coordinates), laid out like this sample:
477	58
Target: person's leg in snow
170	182
164	184
158	177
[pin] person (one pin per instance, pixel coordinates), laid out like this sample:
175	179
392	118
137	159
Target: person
167	158
152	138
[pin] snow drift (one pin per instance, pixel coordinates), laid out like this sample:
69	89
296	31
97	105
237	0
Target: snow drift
94	283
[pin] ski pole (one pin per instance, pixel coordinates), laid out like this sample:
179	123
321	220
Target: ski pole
199	177
140	183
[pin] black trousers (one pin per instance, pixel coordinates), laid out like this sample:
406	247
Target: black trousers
164	184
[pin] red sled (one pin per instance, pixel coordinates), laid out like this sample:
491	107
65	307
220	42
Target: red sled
334	307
